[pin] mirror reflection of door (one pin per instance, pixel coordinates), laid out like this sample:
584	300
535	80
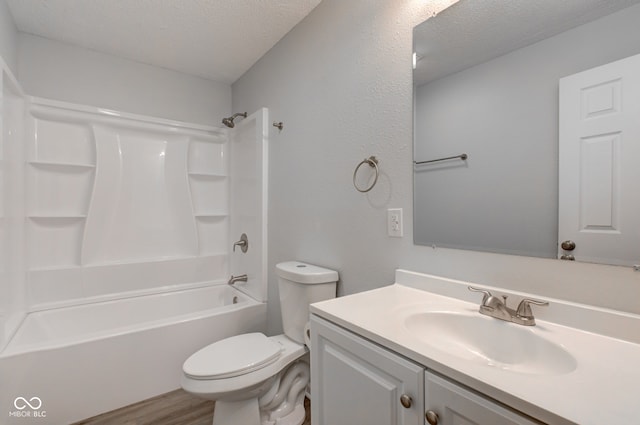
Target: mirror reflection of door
599	173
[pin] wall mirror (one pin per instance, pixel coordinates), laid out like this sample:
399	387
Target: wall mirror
486	84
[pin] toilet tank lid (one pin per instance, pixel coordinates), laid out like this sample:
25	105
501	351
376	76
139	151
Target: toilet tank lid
299	272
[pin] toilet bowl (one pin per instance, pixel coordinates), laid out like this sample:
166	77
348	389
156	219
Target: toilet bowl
276	371
260	380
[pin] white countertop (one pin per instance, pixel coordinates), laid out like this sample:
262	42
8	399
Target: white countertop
603	388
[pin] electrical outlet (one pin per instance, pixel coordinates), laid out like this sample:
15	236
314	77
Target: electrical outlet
394	222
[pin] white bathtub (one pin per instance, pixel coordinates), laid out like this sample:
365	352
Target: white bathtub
84	360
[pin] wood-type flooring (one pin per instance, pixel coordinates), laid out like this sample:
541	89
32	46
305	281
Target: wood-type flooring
175	408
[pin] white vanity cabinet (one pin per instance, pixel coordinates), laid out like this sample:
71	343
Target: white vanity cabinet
455	405
355	381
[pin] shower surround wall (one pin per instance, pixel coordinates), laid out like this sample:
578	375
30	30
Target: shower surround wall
115	249
119	203
12	286
55	178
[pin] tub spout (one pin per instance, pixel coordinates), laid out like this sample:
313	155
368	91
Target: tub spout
233	279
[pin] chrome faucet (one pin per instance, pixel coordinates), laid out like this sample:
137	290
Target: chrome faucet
233	279
496	307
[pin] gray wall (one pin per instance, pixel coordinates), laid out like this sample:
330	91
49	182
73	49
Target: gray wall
64	72
341	83
504	114
8	36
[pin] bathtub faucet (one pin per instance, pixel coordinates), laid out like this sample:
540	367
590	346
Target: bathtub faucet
233	279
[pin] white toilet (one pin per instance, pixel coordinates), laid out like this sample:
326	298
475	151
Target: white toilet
260	380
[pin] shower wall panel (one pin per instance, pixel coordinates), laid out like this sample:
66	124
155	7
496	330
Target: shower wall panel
249	175
120	203
12	290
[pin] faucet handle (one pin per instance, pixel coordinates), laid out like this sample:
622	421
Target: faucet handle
486	294
243	243
524	308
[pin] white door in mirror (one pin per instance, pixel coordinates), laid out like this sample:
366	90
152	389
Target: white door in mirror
599	150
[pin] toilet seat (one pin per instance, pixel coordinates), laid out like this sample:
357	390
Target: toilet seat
239	385
234	356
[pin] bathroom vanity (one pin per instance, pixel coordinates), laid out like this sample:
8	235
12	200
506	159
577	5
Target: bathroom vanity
364	383
419	352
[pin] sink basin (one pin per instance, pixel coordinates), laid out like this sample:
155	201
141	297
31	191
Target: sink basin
490	342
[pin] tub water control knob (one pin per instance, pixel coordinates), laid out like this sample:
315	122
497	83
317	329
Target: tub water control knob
243	243
432	417
406	401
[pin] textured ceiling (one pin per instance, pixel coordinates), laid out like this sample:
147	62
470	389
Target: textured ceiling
214	39
474	31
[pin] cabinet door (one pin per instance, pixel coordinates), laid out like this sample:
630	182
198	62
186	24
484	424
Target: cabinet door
455	405
355	382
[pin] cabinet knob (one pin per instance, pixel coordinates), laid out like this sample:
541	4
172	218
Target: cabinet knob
568	245
432	417
406	401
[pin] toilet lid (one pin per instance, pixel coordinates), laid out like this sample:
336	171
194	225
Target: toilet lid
233	356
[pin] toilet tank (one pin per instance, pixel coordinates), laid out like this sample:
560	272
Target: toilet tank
300	285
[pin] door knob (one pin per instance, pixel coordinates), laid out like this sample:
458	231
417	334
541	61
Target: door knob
406	401
568	245
432	417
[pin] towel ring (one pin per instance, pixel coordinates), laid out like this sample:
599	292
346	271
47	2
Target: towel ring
373	162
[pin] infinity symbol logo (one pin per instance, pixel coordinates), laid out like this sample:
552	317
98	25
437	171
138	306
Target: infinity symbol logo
21	403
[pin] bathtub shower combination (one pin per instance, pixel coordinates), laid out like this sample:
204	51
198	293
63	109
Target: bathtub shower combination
84	360
126	223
